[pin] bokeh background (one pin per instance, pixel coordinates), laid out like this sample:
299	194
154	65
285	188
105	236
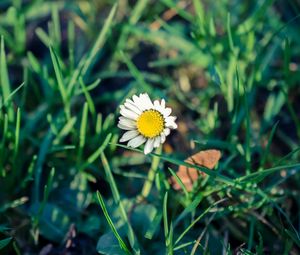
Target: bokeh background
230	71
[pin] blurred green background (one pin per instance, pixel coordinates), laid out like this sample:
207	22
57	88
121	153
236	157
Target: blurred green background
230	71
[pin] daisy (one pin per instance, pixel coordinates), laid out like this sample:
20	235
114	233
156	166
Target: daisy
146	122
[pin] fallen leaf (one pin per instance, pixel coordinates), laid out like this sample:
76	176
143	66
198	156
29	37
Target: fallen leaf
188	175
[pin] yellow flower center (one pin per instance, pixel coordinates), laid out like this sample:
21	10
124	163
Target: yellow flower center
150	123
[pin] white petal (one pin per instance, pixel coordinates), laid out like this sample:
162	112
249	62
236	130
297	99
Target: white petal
136	142
167	111
171	124
156	142
171	118
125	127
138	101
162	138
167	131
146	101
129	114
163	103
129	135
133	108
158	107
128	100
127	122
149	146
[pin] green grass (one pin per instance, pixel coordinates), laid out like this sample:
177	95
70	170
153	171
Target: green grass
230	71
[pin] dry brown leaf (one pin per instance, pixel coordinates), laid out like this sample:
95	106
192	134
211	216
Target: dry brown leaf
188	175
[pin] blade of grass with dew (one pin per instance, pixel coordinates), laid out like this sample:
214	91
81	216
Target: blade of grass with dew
111	224
117	198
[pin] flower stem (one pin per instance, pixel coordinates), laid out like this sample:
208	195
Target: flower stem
151	174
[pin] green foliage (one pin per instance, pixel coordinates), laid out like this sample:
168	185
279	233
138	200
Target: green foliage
230	71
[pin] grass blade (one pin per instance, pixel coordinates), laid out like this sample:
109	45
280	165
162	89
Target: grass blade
117	199
4	80
100	41
60	82
83	131
5	242
97	153
111	224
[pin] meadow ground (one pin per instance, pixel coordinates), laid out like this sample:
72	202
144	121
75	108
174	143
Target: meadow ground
229	69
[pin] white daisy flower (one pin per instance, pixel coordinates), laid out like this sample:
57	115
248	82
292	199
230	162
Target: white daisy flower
145	122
